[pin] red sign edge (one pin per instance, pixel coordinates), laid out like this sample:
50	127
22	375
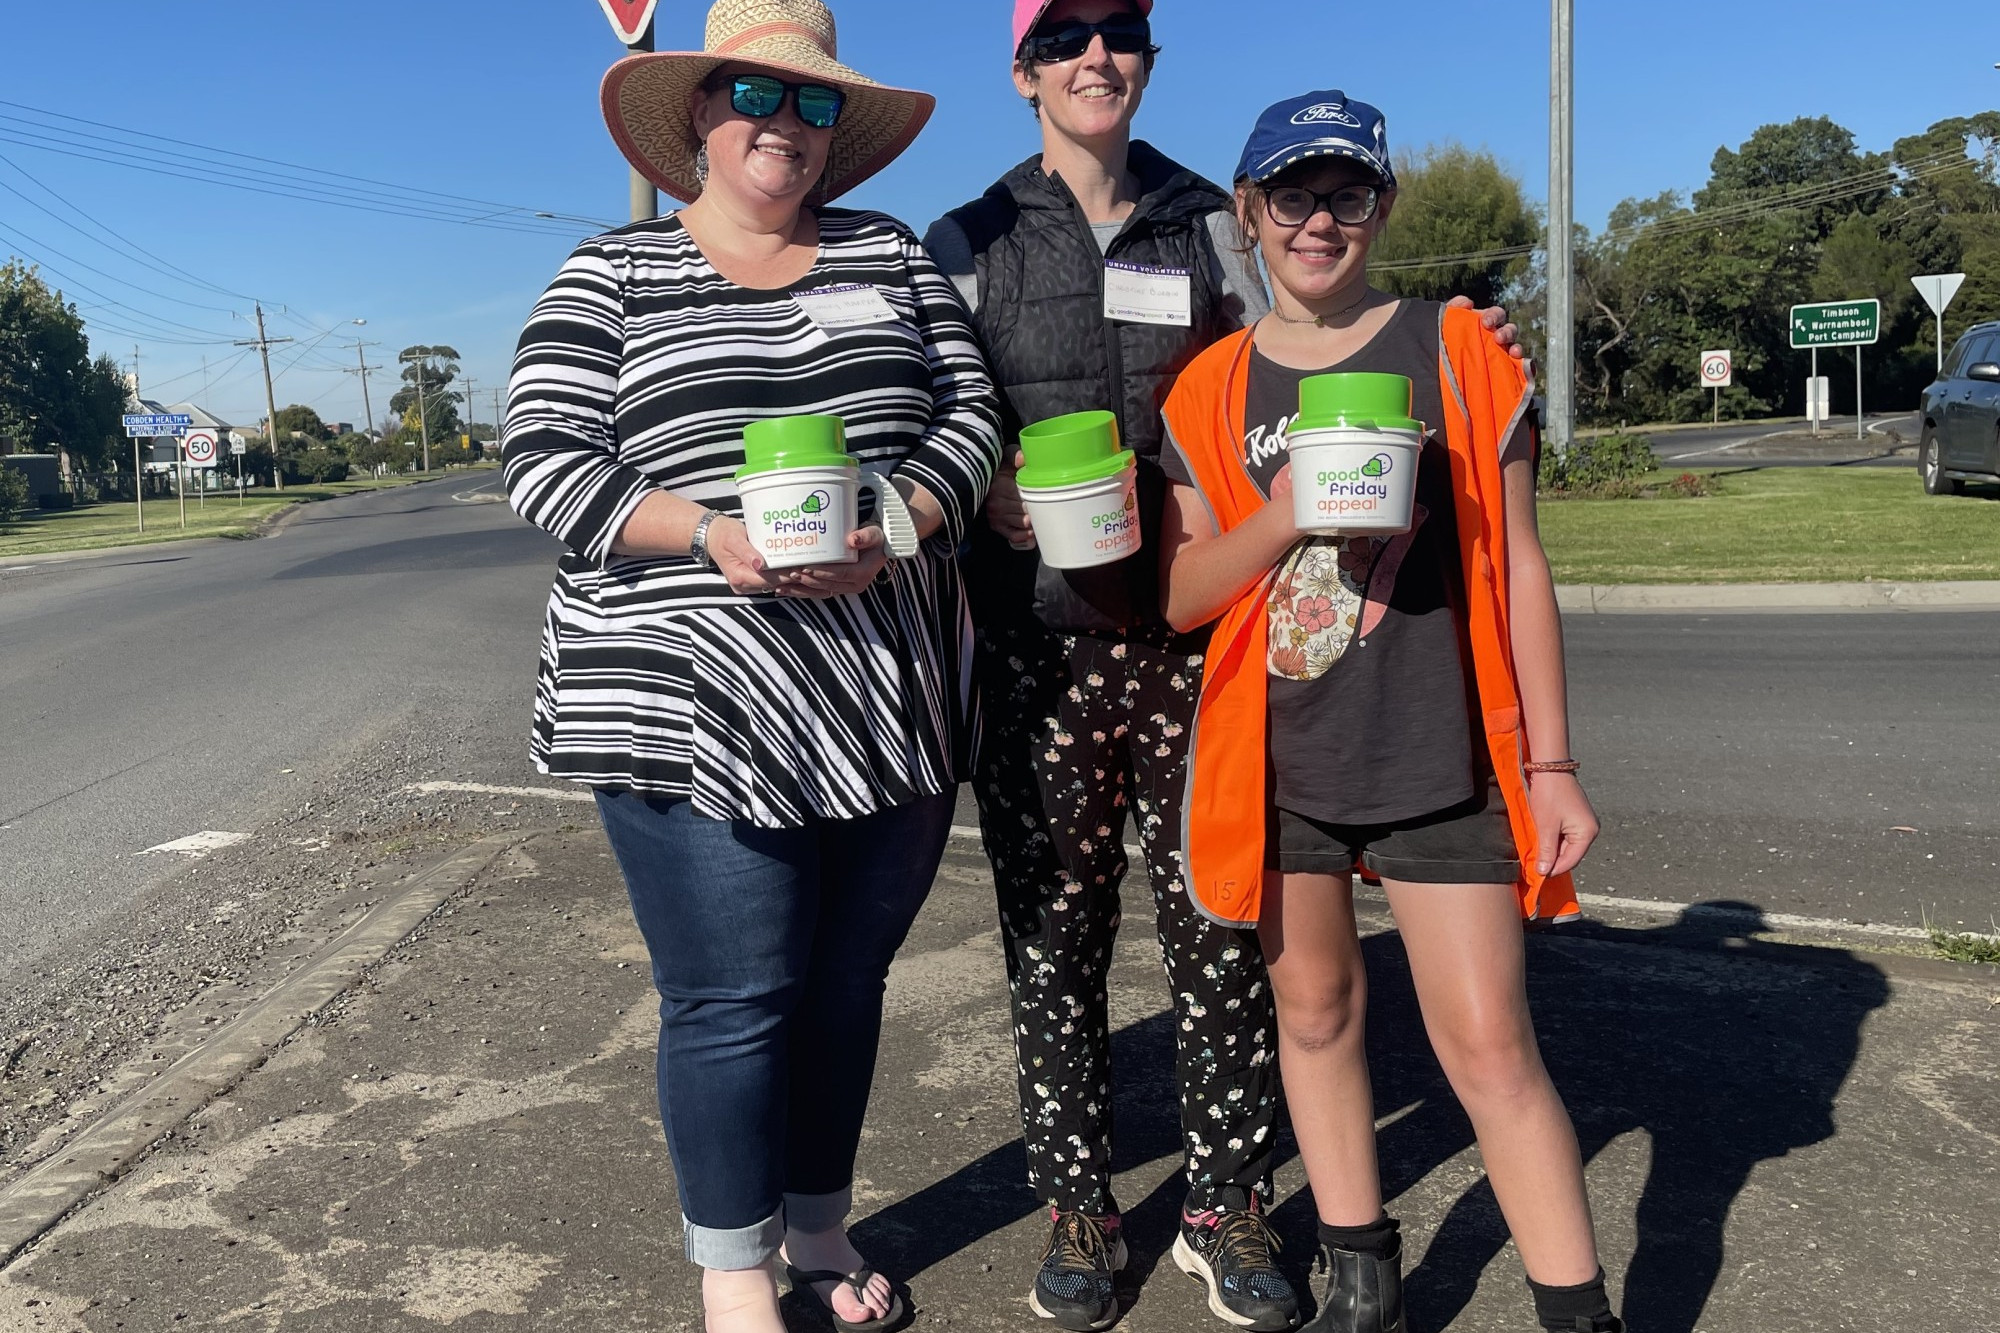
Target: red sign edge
622	12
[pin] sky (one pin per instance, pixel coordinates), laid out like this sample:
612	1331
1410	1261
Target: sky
491	106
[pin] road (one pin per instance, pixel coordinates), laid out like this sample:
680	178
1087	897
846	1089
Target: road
214	686
1842	766
194	687
1789	444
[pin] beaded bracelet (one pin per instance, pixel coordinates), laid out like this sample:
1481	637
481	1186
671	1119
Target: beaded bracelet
1553	766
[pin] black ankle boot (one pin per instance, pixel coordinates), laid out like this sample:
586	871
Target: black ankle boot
1361	1293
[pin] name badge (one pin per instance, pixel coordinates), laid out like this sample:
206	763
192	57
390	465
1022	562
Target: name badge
1136	294
850	307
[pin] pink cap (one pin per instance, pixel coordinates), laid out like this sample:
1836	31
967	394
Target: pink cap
1027	13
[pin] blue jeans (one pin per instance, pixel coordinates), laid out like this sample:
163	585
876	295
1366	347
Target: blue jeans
771	949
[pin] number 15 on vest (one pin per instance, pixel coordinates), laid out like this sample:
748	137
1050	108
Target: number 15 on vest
1138	294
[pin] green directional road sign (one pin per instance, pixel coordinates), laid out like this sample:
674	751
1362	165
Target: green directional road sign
1837	324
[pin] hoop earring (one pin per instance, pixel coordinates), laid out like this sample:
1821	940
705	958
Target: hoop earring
701	165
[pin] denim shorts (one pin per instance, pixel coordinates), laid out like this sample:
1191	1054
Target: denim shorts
1468	843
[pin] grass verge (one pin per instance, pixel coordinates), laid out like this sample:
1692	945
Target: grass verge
106	525
1966	948
1779	525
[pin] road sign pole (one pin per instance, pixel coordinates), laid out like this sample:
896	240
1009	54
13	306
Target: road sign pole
1860	433
645	199
1812	392
180	487
138	485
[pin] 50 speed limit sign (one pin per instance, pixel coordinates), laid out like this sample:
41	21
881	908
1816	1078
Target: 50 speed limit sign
199	446
1717	370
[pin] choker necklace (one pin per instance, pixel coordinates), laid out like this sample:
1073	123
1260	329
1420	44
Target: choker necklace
1319	321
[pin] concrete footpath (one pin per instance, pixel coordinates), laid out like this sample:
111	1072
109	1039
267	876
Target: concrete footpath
1781	1137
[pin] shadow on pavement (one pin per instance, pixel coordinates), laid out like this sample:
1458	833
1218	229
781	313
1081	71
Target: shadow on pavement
1722	1062
1724	1049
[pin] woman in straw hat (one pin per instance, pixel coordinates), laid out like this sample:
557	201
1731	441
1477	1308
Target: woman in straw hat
775	753
1089	695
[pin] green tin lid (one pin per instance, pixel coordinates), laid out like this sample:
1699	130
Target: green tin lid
1065	451
1357	402
784	443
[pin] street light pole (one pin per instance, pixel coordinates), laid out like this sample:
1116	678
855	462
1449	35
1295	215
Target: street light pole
1562	239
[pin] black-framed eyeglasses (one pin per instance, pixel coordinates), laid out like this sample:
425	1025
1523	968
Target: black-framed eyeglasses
1125	34
761	96
1294	205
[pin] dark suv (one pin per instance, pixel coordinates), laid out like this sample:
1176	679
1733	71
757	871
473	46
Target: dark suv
1962	415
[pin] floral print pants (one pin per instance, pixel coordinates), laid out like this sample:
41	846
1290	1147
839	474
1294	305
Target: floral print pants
1079	730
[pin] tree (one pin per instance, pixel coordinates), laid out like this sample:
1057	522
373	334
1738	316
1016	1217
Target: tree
299	420
14	495
389	453
1952	185
1451	200
438	367
52	393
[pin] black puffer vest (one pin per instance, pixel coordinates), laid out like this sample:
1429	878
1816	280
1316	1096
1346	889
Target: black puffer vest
1052	351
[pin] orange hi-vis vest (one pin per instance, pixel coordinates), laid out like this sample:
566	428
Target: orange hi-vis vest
1224	810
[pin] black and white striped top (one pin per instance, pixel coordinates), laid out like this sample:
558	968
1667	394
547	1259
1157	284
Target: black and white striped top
637	372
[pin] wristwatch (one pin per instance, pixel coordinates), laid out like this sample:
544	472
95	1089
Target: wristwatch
698	544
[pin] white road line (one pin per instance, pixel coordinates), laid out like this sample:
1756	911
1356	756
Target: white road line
198	845
483	789
1649	907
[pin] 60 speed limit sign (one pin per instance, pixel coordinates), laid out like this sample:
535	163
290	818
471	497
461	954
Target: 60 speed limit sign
198	446
1717	370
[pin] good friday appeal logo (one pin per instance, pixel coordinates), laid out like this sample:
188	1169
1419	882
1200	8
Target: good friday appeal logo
1119	529
804	526
1357	490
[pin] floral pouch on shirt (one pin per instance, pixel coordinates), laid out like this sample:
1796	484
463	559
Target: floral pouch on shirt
1327	590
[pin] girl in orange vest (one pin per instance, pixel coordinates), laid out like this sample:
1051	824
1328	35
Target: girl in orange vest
1390	704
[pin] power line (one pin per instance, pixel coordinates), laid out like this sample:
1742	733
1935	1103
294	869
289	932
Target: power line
395	189
237	170
157	264
1686	221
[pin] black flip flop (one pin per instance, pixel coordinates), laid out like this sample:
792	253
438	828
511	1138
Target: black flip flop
857	1281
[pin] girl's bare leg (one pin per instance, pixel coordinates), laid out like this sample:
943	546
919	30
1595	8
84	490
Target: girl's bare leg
1468	959
1321	988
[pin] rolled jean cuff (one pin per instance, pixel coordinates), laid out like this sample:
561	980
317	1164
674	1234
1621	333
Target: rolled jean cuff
735	1251
814	1213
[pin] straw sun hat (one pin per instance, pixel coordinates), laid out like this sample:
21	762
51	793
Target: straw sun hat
646	96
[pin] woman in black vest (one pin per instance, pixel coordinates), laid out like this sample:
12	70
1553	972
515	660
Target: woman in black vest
1088	694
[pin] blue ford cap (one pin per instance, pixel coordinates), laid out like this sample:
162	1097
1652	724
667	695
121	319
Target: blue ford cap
1323	124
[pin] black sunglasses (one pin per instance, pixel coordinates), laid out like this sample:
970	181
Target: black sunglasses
1128	34
761	96
1294	205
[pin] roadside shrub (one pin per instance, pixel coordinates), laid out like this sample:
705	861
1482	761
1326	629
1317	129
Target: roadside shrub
14	495
1598	461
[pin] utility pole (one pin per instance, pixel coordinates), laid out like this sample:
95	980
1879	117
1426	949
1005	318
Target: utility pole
423	416
138	472
368	411
645	199
499	418
1561	421
466	425
263	346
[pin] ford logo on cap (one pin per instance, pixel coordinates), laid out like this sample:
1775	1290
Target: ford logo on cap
1326	113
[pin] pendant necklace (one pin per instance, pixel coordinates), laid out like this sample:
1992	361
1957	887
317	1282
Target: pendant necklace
1319	321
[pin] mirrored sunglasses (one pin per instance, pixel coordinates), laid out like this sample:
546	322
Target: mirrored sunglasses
761	96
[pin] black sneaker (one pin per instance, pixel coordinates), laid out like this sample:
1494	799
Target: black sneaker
1075	1287
1231	1250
